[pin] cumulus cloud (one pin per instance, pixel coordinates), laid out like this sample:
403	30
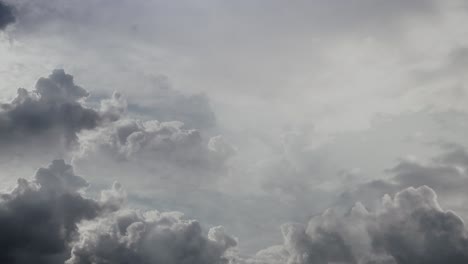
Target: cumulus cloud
6	15
39	217
411	227
52	114
49	220
114	108
151	237
163	153
446	173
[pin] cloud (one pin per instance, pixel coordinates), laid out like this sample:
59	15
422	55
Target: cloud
352	14
411	227
163	153
6	15
39	218
446	173
158	100
50	115
49	220
175	42
114	108
152	237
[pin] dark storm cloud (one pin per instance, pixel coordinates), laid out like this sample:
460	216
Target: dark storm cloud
39	218
53	113
6	15
409	228
49	220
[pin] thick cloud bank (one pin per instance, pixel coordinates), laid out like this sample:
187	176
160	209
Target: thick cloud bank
6	15
48	220
39	218
409	228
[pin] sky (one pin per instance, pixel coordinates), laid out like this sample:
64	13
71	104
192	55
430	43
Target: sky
233	132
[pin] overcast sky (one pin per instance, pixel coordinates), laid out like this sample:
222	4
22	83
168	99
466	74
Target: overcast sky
241	132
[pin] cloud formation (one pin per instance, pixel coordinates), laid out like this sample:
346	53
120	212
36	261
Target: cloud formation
6	15
446	173
151	237
52	114
164	153
49	220
334	56
39	218
411	227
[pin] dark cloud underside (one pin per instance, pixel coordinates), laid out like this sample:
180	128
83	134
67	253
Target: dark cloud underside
6	15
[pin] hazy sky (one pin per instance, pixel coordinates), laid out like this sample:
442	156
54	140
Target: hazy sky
294	132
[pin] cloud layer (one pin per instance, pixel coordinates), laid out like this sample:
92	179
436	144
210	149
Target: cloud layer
328	64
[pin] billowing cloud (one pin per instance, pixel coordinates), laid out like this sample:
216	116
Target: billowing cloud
52	114
39	218
164	154
6	15
49	220
151	237
411	227
446	173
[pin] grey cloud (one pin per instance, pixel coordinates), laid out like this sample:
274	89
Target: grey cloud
309	173
6	15
454	154
298	17
167	104
409	228
114	108
39	218
49	220
296	165
177	42
443	84
164	153
153	237
50	115
443	177
155	98
331	17
453	66
446	173
307	163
